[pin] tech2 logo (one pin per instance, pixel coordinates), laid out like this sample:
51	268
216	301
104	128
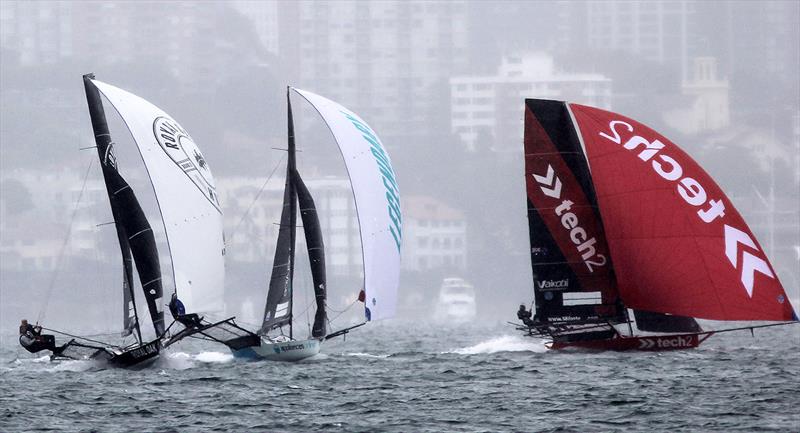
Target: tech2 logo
691	190
551	185
180	148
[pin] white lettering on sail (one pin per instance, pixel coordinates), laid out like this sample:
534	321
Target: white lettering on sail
550	185
750	263
693	193
554	284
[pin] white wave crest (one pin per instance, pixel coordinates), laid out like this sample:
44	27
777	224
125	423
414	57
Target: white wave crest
183	360
506	343
42	359
74	365
176	361
214	357
43	363
366	355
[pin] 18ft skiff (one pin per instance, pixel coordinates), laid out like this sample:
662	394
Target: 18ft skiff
629	235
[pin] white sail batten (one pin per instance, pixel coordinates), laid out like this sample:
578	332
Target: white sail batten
186	195
377	200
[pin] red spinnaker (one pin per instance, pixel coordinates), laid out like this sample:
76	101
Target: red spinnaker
678	244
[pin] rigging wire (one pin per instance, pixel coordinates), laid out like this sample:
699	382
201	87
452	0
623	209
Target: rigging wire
255	199
64	244
341	312
100	278
77	337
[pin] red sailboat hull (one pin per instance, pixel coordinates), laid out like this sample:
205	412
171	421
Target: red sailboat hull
646	343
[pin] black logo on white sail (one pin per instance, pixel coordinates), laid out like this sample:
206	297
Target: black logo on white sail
180	148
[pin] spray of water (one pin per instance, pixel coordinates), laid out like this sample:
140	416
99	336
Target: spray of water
505	343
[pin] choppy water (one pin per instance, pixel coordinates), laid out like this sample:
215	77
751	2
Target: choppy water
414	379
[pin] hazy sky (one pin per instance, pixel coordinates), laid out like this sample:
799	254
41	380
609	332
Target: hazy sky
221	70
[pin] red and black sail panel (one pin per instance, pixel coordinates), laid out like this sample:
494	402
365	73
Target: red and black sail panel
572	270
679	245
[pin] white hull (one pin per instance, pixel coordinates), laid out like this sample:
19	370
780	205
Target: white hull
294	350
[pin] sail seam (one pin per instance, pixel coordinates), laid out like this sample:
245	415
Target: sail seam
122	189
140	232
151	282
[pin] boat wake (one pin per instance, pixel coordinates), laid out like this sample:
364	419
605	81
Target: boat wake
39	360
75	365
366	355
214	357
44	363
506	343
183	360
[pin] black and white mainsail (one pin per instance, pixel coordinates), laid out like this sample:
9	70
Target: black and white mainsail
136	239
187	199
316	253
186	195
278	310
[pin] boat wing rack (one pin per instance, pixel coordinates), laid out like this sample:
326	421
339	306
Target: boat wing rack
225	331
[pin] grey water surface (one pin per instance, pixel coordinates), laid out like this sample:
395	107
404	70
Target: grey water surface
414	378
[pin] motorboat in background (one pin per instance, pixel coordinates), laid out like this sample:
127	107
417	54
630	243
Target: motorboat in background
456	301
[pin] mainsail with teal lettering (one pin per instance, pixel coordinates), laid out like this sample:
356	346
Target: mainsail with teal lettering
377	199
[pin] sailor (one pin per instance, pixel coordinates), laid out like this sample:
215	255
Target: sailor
178	312
26	328
524	315
31	338
176	307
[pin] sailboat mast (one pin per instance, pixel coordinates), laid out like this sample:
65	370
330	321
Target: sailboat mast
291	166
102	138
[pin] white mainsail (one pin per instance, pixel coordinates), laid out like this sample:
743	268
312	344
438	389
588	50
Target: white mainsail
187	199
377	201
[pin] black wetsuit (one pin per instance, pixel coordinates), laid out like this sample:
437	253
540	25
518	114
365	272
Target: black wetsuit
178	312
31	338
525	316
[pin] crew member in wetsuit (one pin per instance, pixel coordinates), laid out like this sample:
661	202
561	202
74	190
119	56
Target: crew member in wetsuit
31	338
524	315
178	311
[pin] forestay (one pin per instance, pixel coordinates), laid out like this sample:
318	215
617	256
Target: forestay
186	195
377	200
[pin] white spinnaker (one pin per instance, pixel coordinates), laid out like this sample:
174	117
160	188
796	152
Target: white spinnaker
186	196
377	202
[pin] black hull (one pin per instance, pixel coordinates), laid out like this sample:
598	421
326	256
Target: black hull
134	357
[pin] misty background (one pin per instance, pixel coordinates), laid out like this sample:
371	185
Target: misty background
442	83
